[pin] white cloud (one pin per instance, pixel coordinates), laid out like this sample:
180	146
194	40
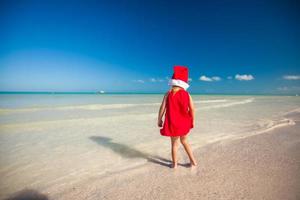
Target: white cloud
209	79
154	80
291	77
139	81
244	77
216	78
205	78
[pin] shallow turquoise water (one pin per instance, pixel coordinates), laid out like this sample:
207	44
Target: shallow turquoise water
67	138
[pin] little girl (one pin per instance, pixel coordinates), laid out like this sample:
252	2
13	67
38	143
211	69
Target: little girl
178	108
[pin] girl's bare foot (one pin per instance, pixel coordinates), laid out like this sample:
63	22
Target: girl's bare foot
174	165
193	164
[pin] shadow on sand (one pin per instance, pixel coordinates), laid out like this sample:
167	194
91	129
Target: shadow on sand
27	194
129	152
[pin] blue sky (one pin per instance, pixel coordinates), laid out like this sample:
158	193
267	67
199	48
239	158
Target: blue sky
131	46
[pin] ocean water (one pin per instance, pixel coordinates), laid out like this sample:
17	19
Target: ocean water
53	142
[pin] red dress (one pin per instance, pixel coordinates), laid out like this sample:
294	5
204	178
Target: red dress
178	119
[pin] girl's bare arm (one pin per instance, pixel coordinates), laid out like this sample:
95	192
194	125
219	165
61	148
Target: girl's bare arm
192	110
161	112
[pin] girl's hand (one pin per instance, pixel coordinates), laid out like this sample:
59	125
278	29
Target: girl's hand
160	123
193	123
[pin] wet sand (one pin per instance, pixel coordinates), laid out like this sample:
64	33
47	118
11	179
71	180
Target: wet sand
263	166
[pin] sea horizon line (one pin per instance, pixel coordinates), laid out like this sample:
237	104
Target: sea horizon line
140	92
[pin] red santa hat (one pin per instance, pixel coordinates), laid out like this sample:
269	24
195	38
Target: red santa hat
180	77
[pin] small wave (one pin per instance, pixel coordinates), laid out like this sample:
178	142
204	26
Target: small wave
263	127
297	110
284	120
212	101
266	126
77	107
272	124
81	107
227	104
94	107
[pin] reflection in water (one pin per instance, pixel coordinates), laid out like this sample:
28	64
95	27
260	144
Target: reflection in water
129	152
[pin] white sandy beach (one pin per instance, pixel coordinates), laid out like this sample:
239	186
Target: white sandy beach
100	148
263	166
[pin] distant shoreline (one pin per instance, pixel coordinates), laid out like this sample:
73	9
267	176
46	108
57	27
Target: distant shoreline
139	93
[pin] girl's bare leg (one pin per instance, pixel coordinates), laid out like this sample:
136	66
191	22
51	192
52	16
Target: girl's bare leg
183	140
174	144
